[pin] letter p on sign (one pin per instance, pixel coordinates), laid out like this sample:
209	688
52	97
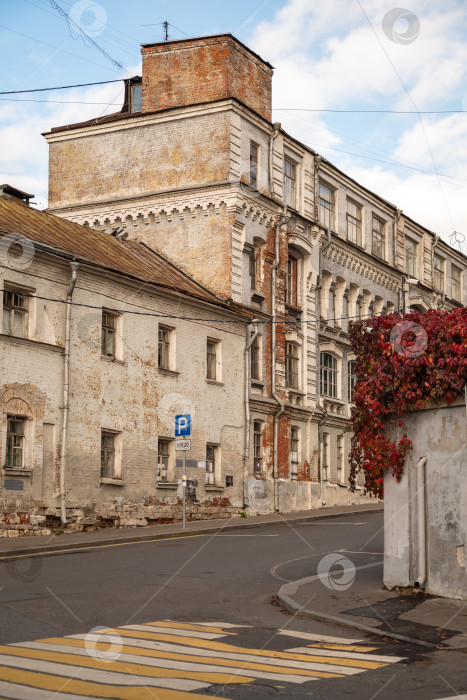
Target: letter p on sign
183	425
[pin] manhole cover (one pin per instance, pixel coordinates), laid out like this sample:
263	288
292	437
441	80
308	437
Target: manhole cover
241	690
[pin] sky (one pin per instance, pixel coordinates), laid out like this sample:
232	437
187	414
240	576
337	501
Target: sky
379	90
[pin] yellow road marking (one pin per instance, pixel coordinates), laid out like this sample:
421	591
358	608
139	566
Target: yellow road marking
93	690
209	660
186	626
220	646
98	546
120	666
342	647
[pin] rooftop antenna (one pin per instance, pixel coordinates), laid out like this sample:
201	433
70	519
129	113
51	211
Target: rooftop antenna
166	30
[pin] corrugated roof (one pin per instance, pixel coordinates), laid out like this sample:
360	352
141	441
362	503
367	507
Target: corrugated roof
130	257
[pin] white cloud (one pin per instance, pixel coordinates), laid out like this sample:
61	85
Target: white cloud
328	57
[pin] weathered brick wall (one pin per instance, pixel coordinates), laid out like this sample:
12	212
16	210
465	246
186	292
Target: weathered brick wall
104	163
180	73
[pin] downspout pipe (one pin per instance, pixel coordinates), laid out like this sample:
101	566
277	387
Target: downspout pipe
250	340
421	522
74	267
276	398
275	134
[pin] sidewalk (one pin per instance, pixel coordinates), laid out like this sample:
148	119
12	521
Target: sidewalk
351	593
37	544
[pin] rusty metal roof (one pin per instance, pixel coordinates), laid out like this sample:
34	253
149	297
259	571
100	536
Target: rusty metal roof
130	258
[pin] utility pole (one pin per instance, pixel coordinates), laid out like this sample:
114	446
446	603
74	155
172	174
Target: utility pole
166	30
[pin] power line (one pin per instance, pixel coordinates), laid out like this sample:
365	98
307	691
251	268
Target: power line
369	111
61	87
50	46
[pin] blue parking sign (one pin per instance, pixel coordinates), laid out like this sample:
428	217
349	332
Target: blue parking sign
183	425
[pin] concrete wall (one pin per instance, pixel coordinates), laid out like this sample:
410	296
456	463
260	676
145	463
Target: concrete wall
441	438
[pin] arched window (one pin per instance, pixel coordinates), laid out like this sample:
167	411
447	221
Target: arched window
328	375
291	365
291	281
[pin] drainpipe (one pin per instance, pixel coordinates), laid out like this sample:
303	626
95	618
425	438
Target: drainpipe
249	343
74	267
280	403
319	284
277	128
421	520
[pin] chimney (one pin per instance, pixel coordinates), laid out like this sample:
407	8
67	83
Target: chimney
9	192
205	69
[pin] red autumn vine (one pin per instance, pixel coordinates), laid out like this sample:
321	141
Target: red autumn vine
402	363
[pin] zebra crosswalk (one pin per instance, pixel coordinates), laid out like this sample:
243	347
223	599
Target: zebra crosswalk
172	660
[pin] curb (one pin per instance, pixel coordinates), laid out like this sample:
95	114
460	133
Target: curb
294	608
59	548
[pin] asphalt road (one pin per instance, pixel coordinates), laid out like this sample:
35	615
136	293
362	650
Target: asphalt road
224	578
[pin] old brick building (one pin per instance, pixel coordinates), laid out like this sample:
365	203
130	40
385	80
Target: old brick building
103	342
194	167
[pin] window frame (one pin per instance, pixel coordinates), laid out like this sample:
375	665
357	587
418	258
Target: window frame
136	101
327	207
290	182
340	446
213	464
13	310
292	365
328	375
411	257
109	331
166	359
439	274
291	279
378	237
115	450
213	360
351	379
456	284
325	457
354	221
258	447
11	439
165	451
294	453
256	360
254	161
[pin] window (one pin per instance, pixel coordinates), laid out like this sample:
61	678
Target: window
410	257
291	365
257	447
340	459
291	282
109	330
325	456
438	274
213	360
290	183
294	452
456	279
136	98
14	314
326	206
211	464
253	166
164	359
15	442
378	242
351	379
354	222
252	270
162	460
328	375
108	455
256	359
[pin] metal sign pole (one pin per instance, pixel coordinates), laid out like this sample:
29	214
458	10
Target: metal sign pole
184	490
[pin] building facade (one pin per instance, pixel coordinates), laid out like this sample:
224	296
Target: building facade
103	343
193	166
